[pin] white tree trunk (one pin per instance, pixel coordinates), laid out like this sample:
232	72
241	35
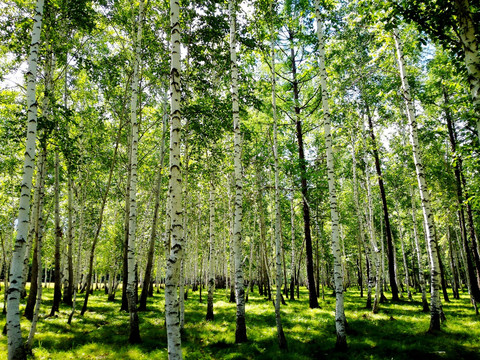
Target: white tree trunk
278	231
435	303
134	336
16	349
340	321
175	245
241	330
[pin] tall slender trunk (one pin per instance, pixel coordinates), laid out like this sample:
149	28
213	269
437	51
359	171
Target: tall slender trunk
390	244
175	218
241	329
435	303
340	321
282	341
134	336
312	293
16	348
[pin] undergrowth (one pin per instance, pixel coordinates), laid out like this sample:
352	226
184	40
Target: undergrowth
398	331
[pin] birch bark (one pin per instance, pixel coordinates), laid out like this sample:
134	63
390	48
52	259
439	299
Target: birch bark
340	321
16	348
134	336
175	218
241	329
435	303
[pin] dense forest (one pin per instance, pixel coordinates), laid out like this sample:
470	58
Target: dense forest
240	179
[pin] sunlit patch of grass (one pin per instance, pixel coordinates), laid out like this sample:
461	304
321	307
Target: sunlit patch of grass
398	331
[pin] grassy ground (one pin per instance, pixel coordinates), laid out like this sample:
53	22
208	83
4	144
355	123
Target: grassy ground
397	332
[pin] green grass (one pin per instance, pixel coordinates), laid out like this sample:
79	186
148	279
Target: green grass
398	331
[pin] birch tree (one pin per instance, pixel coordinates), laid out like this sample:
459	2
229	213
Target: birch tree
241	329
16	348
340	321
134	336
435	304
175	217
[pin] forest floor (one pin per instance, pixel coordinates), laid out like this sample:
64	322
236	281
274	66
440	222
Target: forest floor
398	331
